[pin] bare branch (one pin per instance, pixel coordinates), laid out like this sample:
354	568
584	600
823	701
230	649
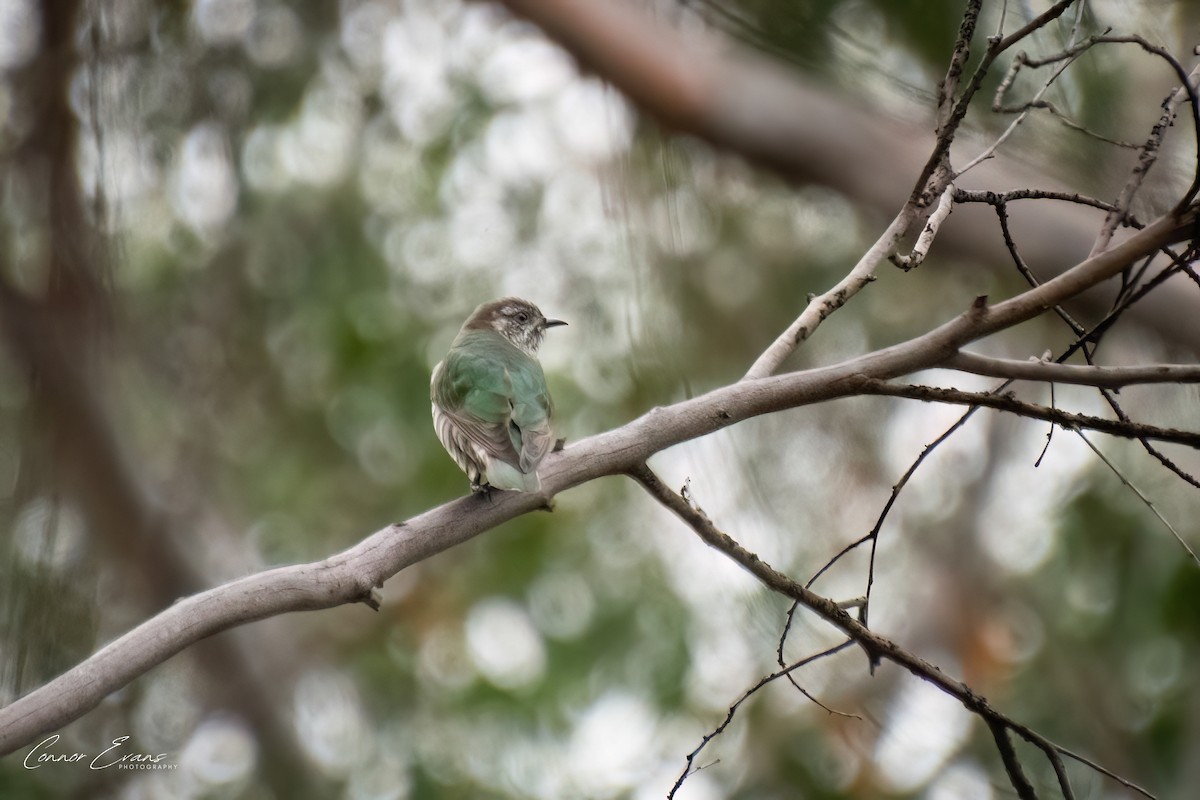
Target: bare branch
962	51
1147	156
928	233
1037	23
1154	452
1186	86
1012	764
1022	112
1046	105
878	648
947	129
1027	273
1066	285
997	198
1006	402
689	768
1087	340
1106	377
1036	102
873	536
820	307
1053	750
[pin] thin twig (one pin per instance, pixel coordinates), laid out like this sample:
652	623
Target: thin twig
1046	105
787	671
1121	476
1022	60
1154	452
1147	156
1049	434
994	198
858	602
1022	113
1185	85
1023	268
1087	762
873	535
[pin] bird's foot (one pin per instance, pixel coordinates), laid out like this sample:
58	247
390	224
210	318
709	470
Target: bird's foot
483	490
559	444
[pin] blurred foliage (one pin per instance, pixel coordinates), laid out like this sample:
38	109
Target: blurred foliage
304	201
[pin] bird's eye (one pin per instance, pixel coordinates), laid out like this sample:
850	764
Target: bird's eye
522	317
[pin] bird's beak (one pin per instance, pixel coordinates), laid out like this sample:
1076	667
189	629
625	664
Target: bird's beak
553	323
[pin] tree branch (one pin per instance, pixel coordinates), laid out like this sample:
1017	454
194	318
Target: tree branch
877	648
785	671
1101	377
948	129
1012	765
928	233
822	306
1006	402
1186	87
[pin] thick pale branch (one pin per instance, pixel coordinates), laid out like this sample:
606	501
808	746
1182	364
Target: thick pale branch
1162	232
349	576
1101	377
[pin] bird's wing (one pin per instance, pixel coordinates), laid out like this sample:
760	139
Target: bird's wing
497	396
476	393
531	414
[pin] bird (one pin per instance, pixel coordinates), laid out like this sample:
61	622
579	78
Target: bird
491	407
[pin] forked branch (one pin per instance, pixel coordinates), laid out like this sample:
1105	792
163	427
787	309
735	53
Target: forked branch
877	648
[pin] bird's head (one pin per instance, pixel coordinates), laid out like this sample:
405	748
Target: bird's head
519	321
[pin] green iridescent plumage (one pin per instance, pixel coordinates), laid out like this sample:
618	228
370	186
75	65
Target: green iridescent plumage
491	408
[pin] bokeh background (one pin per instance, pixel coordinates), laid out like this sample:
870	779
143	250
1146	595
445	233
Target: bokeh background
285	211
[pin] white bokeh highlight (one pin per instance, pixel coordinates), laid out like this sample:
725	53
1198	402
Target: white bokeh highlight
504	644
